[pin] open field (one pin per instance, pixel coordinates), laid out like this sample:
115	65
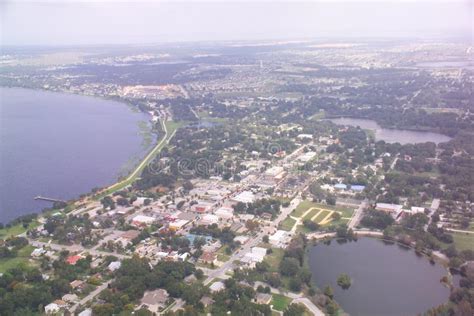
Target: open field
16	230
274	259
319	213
280	302
21	259
464	241
287	224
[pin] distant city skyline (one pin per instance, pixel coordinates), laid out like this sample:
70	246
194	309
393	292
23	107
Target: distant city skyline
121	22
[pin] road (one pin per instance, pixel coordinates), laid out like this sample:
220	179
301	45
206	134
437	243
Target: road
355	219
237	255
146	160
90	296
297	298
75	248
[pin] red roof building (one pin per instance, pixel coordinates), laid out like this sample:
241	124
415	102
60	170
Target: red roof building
73	259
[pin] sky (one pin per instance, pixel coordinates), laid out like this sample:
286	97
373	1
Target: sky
92	22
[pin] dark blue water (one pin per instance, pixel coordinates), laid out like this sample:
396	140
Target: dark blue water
386	279
61	145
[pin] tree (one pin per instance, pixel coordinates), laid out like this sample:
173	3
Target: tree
266	239
328	291
295	284
344	281
331	199
199	274
289	266
294	310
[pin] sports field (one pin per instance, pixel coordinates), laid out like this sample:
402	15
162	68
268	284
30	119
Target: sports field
321	214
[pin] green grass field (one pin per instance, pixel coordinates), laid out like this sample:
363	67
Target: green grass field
21	259
311	214
303	207
280	302
274	259
16	230
287	224
463	241
321	216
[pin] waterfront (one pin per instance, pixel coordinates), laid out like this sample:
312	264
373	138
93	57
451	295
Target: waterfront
61	145
386	279
393	135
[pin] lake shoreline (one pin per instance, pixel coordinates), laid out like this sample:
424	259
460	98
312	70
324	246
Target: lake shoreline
310	261
135	155
394	128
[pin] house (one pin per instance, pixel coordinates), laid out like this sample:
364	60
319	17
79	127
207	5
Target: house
72	260
115	265
77	284
263	298
217	286
51	308
154	300
206	301
126	238
70	298
38	252
208	258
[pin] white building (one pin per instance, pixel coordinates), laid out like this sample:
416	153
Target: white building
217	286
51	308
279	239
209	219
389	208
224	213
245	197
115	265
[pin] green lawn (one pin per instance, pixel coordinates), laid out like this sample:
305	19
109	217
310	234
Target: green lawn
303	207
274	259
280	302
463	241
321	216
16	230
311	214
21	259
287	224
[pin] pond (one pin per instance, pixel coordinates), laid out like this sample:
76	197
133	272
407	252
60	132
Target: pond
61	145
390	135
386	279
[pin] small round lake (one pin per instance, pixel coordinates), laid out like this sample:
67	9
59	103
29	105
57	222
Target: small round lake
390	135
60	145
386	279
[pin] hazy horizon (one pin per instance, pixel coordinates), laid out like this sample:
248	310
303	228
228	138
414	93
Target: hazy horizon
67	23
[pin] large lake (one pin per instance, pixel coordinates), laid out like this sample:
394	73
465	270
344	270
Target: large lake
61	145
386	279
393	135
